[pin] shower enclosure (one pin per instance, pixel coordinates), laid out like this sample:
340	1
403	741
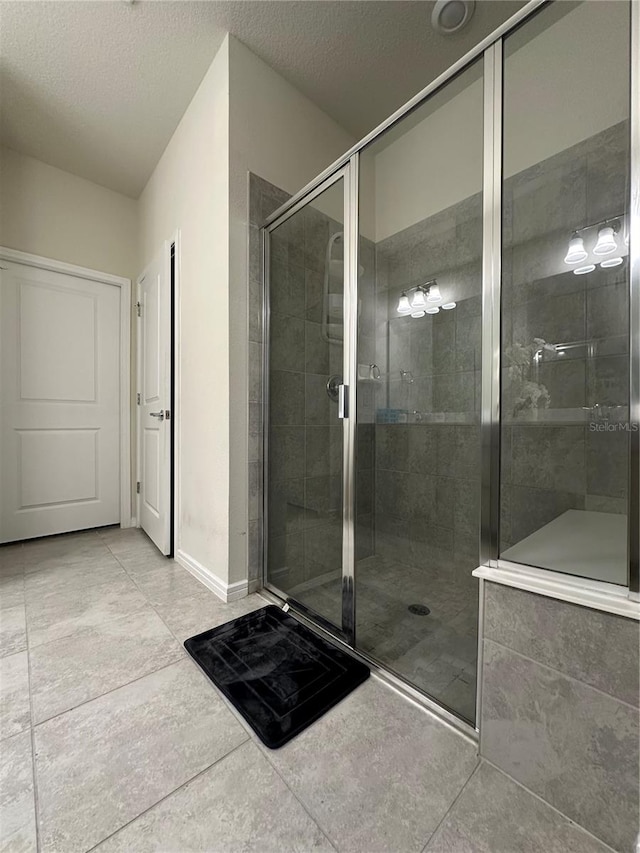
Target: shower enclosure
452	348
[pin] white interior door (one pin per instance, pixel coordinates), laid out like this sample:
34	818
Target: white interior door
59	401
154	387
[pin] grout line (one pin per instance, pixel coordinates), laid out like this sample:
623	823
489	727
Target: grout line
154	607
107	692
36	798
170	794
563	674
77	634
265	753
455	800
549	805
184	655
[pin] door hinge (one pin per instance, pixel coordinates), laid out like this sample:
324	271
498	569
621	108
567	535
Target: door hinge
138	397
139	309
138	487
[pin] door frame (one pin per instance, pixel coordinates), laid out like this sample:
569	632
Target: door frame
348	173
173	243
29	260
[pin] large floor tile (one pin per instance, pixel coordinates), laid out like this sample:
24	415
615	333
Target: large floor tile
377	773
238	804
63	613
90	571
15	713
17	807
167	583
55	551
13	630
67	672
495	815
11	591
141	562
197	613
104	763
11	560
128	542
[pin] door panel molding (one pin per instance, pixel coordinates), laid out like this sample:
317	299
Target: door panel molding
40	262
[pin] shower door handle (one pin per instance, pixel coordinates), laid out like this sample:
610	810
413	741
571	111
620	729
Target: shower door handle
343	401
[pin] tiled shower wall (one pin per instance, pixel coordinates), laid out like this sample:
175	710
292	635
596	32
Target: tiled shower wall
560	699
427	458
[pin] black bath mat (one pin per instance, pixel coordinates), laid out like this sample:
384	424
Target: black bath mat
278	674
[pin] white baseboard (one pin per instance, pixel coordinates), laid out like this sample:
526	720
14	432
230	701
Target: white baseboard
225	591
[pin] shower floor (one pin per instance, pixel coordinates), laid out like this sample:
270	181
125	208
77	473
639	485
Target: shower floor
435	652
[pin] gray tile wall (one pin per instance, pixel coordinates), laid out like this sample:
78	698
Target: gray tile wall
548	468
427	465
560	700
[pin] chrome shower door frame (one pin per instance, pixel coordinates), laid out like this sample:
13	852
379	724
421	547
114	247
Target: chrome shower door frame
348	173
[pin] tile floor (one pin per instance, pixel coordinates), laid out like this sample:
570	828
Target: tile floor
113	740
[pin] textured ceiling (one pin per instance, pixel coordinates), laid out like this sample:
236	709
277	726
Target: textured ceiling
97	88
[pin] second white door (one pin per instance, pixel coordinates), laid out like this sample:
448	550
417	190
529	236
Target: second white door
154	388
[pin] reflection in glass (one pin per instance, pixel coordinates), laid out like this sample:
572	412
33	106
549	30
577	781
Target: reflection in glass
565	292
418	477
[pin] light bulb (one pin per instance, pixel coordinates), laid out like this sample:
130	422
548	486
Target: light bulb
433	310
448	306
434	294
606	241
403	305
611	262
417	314
418	303
584	270
576	251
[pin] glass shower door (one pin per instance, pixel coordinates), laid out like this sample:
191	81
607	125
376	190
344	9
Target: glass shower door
304	509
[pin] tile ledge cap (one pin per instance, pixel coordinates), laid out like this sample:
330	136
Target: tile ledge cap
587	593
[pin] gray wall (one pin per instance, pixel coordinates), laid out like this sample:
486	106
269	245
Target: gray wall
428	464
559	711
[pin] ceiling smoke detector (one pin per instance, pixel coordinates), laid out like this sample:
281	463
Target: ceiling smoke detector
450	16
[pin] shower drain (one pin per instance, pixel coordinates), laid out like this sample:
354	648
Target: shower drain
419	609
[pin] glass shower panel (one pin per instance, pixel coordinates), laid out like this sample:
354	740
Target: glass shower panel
565	292
418	394
304	477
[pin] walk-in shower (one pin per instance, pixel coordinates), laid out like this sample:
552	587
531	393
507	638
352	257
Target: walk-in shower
452	347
